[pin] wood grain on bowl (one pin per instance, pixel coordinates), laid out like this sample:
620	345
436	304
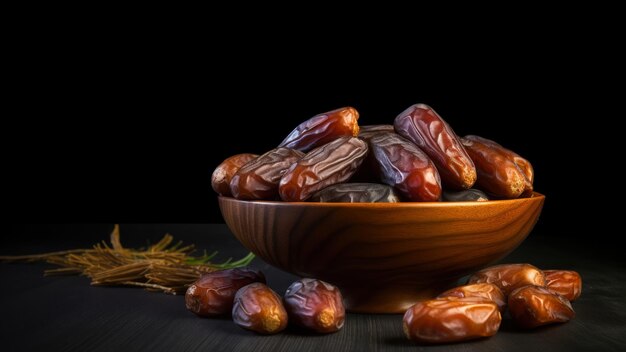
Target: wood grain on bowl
383	256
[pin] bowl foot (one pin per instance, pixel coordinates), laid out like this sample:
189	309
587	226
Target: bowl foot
389	300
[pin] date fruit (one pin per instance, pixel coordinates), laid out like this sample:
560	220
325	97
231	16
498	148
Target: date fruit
259	309
483	290
323	128
498	173
405	167
259	178
469	195
224	172
524	165
424	127
356	193
451	319
323	166
315	305
533	306
213	293
508	277
567	283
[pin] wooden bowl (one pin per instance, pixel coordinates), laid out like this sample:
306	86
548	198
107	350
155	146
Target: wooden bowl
383	256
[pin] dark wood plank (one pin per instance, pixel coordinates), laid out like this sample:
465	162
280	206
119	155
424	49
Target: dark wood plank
67	314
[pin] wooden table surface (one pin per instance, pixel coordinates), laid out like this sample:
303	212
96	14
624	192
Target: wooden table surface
67	314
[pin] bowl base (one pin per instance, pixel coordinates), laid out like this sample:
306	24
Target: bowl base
389	300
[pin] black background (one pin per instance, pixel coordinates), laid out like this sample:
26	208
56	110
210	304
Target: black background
112	130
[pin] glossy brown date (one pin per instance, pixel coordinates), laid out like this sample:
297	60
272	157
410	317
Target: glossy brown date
332	163
483	290
508	277
224	172
315	305
259	309
498	174
405	167
323	128
213	293
469	195
424	127
356	193
451	319
524	165
533	306
259	178
566	283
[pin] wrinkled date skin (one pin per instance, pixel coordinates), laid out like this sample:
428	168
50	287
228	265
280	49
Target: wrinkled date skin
323	128
405	167
224	172
451	319
567	283
424	127
324	166
259	309
508	277
470	195
498	174
315	305
533	306
524	165
356	193
259	178
213	293
368	131
484	290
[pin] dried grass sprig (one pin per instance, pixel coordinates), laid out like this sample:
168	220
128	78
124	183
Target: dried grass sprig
160	267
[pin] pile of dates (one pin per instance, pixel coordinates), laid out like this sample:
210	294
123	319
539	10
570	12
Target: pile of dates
329	158
312	304
533	297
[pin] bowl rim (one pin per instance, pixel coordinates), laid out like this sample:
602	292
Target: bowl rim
535	197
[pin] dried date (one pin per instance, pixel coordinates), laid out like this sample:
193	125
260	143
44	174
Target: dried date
259	178
315	305
259	309
323	166
322	129
482	290
508	277
451	319
424	127
224	172
498	173
533	306
405	167
356	193
567	283
213	293
524	165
